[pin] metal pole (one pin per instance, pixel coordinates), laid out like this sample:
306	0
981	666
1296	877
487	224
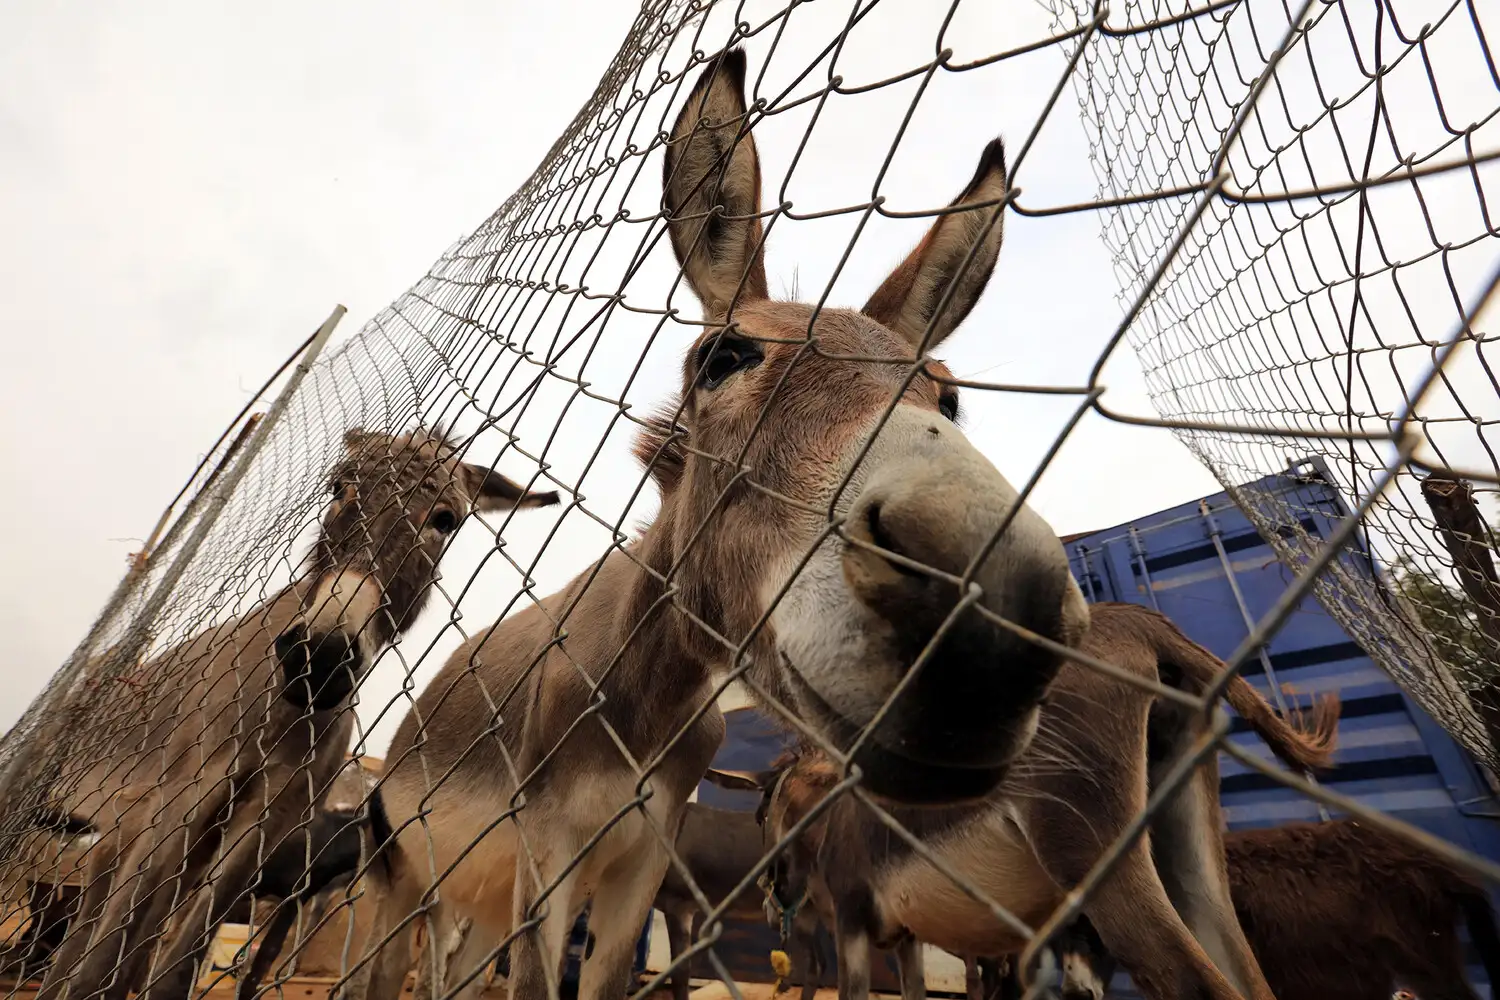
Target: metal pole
128	649
219	498
1138	553
1216	535
1088	572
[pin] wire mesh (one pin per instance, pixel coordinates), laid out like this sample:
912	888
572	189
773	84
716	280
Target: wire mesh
809	527
1349	242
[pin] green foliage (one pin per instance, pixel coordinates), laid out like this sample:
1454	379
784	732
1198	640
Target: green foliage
1449	619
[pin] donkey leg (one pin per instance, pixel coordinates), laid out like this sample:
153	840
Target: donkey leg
537	953
1139	926
102	862
623	902
999	978
245	841
911	969
679	940
384	963
808	958
141	899
273	937
1188	848
852	942
192	842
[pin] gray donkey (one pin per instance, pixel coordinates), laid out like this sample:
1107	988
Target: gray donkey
245	726
819	507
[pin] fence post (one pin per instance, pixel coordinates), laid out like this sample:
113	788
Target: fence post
1463	534
13	745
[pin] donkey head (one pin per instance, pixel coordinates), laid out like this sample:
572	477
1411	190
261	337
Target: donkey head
791	788
395	500
778	407
1087	967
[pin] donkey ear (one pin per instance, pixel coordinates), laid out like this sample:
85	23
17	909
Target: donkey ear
354	437
736	781
491	491
908	300
711	187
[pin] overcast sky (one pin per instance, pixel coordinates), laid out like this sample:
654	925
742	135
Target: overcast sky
187	189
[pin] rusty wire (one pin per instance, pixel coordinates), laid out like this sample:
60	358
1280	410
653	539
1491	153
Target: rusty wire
536	340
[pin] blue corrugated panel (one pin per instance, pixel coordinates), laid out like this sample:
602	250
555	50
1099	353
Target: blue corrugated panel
1392	756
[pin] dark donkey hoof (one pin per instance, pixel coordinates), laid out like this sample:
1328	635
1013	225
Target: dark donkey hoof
319	672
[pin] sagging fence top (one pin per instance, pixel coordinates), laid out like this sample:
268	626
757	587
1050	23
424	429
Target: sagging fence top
518	532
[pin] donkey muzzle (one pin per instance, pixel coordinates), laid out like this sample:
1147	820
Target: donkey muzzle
919	648
318	671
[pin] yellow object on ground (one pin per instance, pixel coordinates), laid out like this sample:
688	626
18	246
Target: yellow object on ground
781	964
227	944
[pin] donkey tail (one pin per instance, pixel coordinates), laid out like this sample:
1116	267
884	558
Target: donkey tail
382	836
1306	743
1478	914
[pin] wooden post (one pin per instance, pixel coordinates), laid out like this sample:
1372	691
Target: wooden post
1463	534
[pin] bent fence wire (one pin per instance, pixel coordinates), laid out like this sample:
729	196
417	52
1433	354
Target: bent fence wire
1296	201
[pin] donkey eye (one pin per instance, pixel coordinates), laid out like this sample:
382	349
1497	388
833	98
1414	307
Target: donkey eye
444	522
948	405
717	360
336	487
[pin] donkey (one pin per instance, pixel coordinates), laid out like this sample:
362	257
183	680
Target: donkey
719	847
1337	911
306	869
248	722
824	513
1100	747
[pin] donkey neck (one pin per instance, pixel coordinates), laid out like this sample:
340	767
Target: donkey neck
655	671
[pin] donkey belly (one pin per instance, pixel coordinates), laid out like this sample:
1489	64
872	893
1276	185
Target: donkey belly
483	883
993	858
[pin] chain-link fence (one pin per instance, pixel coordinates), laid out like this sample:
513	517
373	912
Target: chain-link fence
974	768
1343	241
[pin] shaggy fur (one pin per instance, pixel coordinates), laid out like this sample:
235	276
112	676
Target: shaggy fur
1345	911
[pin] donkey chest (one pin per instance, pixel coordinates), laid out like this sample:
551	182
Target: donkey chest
992	856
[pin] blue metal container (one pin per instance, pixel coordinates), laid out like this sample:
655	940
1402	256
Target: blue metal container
1204	565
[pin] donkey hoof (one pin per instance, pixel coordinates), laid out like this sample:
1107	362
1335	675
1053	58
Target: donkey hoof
319	671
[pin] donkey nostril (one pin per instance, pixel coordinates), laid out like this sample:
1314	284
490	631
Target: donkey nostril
881	537
291	649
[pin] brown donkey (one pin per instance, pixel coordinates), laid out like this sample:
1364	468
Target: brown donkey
836	419
1336	911
246	725
1100	748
